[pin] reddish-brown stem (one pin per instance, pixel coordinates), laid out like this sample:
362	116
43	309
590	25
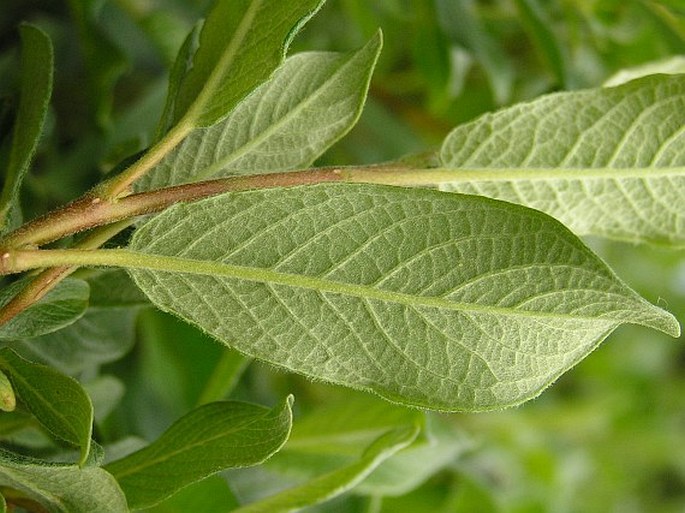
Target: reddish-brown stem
91	211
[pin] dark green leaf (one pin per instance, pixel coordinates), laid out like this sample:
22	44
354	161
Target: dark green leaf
241	44
58	402
211	438
436	300
36	87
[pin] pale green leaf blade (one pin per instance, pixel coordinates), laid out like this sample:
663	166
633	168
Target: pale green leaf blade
36	88
232	435
241	44
57	401
60	307
674	65
607	162
339	481
431	299
310	103
62	488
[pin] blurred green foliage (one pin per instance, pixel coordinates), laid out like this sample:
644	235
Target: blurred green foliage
606	438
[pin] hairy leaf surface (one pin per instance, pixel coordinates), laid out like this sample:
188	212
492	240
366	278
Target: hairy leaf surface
62	488
310	103
209	439
241	44
60	307
36	88
431	299
608	162
57	401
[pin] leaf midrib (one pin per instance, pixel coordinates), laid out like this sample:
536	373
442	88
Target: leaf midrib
144	261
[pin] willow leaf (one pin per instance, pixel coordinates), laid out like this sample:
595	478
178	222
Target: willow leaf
607	162
241	44
209	439
432	299
311	102
62	488
58	402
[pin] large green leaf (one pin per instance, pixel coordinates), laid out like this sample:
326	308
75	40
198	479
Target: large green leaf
58	402
211	438
62	488
311	101
607	162
241	44
36	87
60	307
334	483
427	298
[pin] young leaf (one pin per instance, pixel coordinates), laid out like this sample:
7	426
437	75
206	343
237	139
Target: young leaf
62	488
58	402
211	438
339	481
606	162
310	103
36	87
60	307
431	299
241	44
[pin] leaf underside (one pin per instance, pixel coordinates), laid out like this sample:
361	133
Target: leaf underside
430	299
62	488
615	158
